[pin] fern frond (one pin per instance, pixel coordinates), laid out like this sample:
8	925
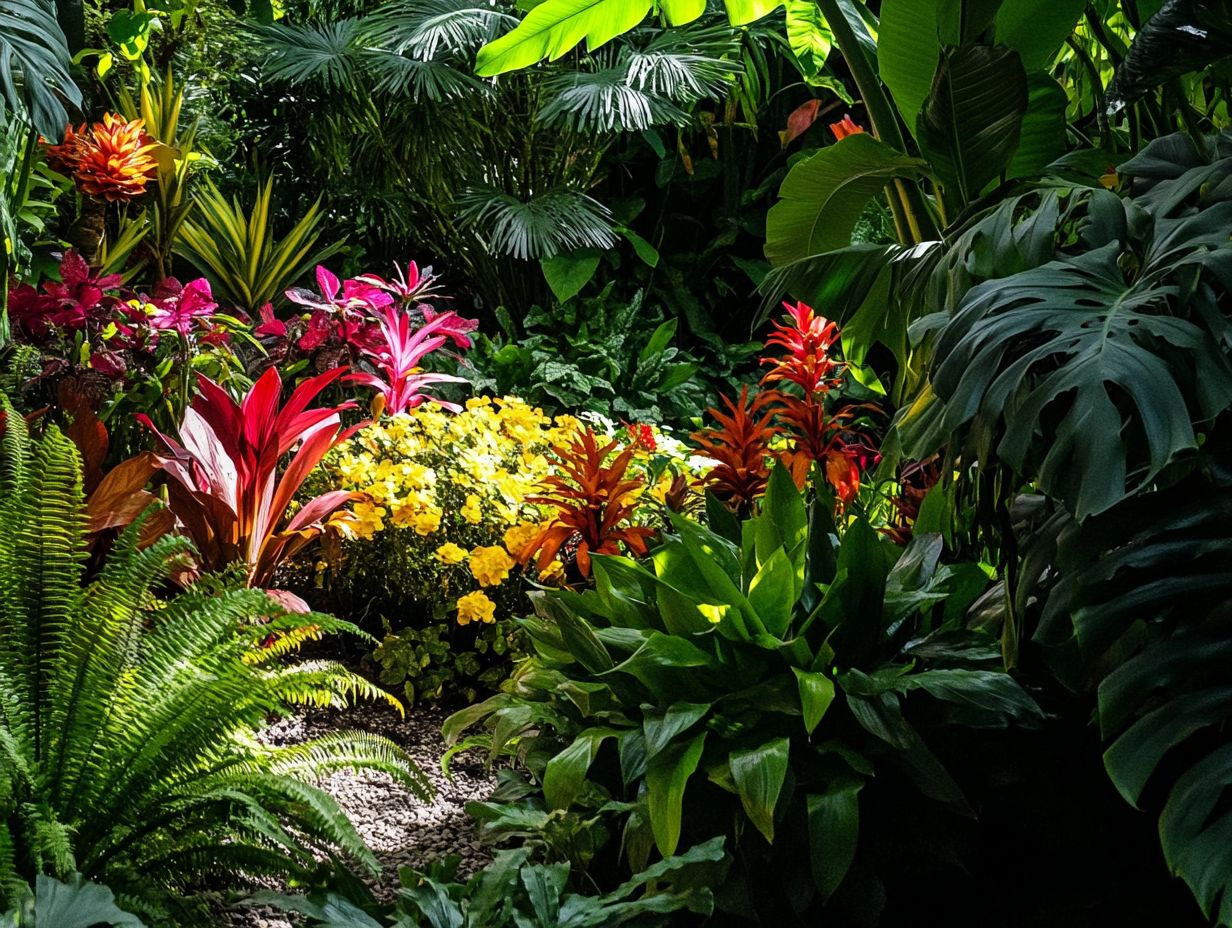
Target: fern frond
352	750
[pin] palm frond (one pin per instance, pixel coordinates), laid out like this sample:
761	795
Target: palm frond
552	222
604	101
425	28
401	75
327	54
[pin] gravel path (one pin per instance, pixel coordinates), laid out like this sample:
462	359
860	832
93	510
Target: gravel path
399	828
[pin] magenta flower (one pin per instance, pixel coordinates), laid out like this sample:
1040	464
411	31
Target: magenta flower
342	297
180	309
270	325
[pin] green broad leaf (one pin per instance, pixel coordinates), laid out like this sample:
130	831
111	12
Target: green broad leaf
834	830
78	904
809	36
759	774
555	27
659	663
648	254
998	696
971	120
565	775
1043	137
783	520
1185	36
822	196
576	633
721	519
659	340
662	727
33	44
678	374
774	589
816	694
743	12
1037	29
568	273
667	773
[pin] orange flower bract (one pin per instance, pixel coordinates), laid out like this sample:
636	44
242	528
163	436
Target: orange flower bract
112	160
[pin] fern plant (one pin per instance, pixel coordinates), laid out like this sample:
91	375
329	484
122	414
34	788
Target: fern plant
128	749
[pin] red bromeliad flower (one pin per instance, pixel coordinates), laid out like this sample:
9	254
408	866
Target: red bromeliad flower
594	503
401	380
807	341
845	127
823	438
113	159
741	446
224	470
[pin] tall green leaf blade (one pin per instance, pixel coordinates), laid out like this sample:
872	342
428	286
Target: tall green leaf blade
1043	135
1036	29
834	830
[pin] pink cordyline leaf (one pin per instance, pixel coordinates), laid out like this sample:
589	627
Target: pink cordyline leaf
401	380
229	486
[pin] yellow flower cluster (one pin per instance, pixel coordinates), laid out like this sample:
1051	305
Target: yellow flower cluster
446	516
456	485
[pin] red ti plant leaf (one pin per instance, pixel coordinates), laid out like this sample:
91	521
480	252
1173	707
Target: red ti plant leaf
228	484
594	501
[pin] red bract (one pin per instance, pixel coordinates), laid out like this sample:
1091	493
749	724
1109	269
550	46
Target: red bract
822	438
401	381
845	127
594	503
741	446
224	484
807	342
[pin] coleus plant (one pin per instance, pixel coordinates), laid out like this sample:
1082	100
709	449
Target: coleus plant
227	483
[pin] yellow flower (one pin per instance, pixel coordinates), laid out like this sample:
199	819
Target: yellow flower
490	565
471	511
475	607
427	522
554	573
519	537
449	553
369	520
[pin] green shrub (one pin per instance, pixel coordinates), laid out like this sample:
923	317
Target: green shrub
750	681
439	661
128	749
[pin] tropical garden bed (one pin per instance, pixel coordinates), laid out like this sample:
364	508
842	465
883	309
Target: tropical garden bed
590	462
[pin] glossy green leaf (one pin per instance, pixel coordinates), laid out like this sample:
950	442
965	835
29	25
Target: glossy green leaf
1037	29
759	774
568	273
834	831
667	773
816	694
1042	139
773	592
660	727
822	196
565	775
809	36
554	27
971	120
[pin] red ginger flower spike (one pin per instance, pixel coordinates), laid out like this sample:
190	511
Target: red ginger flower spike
845	127
807	341
113	160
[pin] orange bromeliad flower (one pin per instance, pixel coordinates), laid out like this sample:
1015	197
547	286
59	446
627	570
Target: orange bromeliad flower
807	341
112	160
594	503
845	127
741	445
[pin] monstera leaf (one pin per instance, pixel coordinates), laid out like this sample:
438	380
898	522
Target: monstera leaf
1144	596
34	64
1089	373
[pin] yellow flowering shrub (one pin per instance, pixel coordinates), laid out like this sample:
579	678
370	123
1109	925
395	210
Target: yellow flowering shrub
435	542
